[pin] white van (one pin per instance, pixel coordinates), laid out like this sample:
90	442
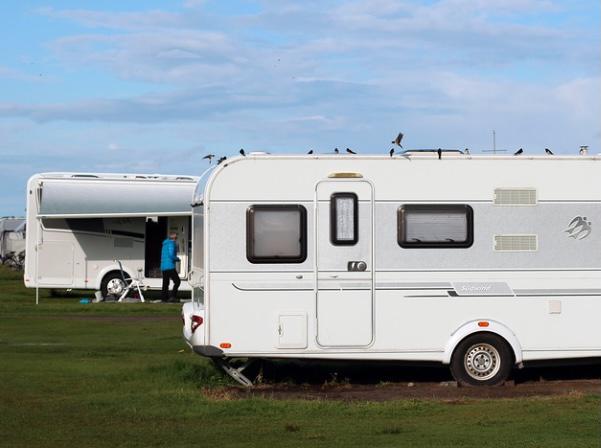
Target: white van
79	224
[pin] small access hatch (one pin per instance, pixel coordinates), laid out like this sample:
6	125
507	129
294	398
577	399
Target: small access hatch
292	330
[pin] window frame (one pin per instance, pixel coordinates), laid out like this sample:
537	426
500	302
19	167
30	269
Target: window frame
333	220
250	229
469	241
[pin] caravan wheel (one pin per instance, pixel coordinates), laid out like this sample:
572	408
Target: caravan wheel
483	359
112	285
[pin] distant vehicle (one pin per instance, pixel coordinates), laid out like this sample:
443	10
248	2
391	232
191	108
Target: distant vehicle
482	263
79	224
12	237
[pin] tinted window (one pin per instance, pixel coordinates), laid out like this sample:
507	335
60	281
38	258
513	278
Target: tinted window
276	234
437	226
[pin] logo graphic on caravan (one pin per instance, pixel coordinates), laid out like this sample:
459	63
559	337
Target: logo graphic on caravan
579	228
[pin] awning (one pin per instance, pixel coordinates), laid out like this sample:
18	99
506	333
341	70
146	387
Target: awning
80	198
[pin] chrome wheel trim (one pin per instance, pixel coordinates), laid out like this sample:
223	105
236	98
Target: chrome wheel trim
115	286
482	361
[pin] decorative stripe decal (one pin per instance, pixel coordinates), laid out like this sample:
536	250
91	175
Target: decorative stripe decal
498	289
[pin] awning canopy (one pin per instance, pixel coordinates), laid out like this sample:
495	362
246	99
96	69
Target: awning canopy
69	198
10	224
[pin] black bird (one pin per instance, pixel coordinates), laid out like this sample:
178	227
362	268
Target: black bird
350	151
310	151
208	157
518	152
439	153
548	151
221	159
242	152
466	151
336	151
391	152
397	140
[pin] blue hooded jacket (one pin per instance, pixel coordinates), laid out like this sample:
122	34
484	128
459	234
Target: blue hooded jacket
168	255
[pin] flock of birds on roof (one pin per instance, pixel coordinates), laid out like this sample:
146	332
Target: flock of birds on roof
396	141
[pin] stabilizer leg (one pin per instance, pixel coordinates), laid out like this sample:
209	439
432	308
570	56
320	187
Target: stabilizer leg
235	372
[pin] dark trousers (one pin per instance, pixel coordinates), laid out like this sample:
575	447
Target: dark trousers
170	274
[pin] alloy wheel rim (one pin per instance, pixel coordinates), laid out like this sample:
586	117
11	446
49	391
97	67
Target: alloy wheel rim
115	286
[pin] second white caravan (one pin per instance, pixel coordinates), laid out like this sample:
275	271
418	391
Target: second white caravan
482	263
78	225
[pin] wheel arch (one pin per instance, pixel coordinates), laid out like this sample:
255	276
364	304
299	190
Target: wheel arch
109	270
473	327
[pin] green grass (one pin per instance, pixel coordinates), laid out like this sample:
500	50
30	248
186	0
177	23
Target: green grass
116	375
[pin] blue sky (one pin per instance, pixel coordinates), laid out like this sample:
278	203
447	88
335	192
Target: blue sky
148	86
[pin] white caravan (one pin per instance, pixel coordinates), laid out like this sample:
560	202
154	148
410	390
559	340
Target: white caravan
79	224
12	236
482	263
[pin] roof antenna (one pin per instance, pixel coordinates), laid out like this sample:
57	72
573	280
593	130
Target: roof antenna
494	149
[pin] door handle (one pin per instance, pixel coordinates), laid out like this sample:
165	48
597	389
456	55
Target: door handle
357	266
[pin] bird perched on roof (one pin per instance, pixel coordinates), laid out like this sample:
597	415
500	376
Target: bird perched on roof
397	140
208	157
310	151
518	152
439	151
221	159
391	152
548	151
336	151
350	151
242	153
466	151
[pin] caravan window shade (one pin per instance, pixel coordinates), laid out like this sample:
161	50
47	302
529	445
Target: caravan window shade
276	234
344	219
435	226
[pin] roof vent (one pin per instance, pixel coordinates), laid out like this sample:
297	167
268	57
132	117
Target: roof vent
516	243
515	196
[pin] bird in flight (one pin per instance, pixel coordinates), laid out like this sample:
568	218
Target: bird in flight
391	152
221	159
310	151
397	140
242	153
336	151
548	151
518	152
208	157
350	151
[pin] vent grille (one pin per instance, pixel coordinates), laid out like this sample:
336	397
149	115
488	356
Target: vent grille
515	196
516	243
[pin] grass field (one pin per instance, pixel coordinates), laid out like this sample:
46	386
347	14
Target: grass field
118	375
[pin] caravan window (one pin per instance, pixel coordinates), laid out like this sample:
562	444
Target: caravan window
435	226
344	219
276	234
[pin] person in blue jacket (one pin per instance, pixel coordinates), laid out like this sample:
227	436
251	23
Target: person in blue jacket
168	259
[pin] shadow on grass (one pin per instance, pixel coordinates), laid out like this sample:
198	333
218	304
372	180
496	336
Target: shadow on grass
317	372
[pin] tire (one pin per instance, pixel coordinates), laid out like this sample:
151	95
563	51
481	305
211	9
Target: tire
482	359
112	285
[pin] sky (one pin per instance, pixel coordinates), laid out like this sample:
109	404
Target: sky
151	87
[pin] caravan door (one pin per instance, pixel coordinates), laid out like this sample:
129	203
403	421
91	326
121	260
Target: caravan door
344	262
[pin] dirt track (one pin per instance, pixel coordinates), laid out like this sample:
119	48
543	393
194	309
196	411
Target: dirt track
310	381
434	391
